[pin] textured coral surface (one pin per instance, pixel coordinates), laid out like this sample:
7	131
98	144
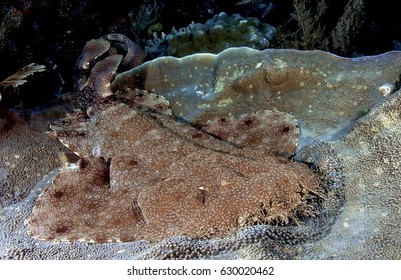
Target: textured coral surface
27	154
326	93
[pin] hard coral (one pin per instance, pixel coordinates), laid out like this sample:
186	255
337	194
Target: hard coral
27	154
217	34
369	223
324	92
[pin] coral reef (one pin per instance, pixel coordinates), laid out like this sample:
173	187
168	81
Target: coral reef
148	13
341	191
324	92
52	33
217	34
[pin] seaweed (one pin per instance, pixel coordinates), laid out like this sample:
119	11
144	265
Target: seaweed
314	30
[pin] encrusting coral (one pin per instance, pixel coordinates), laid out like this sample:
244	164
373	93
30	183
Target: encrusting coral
371	216
142	177
27	154
324	92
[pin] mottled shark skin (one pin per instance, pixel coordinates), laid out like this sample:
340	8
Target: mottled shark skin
325	92
147	176
354	116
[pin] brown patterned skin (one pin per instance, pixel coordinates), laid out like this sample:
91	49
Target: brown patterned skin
140	180
144	175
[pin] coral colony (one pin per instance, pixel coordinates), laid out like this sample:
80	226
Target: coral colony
231	151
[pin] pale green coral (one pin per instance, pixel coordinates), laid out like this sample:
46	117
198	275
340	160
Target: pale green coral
326	93
217	34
